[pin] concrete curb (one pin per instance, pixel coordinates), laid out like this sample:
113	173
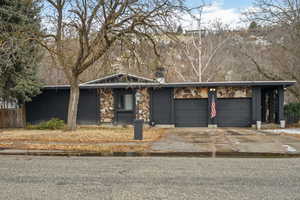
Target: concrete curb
152	154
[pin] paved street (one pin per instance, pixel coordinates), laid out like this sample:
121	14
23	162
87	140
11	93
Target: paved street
148	178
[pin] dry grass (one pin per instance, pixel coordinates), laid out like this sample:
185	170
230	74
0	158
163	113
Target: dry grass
92	139
81	135
296	125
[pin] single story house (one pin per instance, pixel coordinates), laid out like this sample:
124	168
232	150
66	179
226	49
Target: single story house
121	98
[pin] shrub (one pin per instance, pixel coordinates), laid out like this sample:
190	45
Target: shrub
292	108
52	124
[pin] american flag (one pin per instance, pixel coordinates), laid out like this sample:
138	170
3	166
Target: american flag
213	110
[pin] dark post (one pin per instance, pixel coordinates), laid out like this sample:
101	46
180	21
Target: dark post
281	107
256	106
212	98
138	123
263	106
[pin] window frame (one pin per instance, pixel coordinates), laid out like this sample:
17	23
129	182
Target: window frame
121	97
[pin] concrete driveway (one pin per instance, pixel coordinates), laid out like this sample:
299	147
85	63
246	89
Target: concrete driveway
225	140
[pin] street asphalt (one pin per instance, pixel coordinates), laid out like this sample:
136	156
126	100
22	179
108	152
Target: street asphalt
148	178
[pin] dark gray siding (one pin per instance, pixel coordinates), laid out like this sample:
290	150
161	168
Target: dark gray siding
125	117
47	105
162	106
191	112
54	104
88	107
235	112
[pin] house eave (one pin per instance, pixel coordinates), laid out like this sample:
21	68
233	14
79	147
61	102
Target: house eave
179	84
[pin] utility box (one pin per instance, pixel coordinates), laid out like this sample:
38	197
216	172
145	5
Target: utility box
138	129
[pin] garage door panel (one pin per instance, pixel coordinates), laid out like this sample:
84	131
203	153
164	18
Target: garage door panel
191	112
234	112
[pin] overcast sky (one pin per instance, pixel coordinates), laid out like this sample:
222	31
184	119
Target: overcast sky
227	11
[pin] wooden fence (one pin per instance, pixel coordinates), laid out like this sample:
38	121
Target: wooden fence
12	118
291	118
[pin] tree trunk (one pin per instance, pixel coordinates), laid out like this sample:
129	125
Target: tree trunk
73	104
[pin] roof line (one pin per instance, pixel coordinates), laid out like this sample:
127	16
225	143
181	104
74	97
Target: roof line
116	75
182	84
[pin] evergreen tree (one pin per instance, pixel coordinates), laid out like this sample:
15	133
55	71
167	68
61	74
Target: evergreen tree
179	29
253	26
19	51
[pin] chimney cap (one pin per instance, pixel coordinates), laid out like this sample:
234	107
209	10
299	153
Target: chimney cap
160	72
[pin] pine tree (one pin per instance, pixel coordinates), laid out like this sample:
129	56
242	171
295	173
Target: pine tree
19	51
179	30
253	26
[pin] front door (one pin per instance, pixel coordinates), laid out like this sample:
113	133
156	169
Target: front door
125	106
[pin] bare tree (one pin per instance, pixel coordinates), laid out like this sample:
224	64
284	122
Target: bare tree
200	52
83	31
279	40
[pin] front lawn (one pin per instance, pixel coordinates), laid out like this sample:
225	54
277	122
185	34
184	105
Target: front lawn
96	139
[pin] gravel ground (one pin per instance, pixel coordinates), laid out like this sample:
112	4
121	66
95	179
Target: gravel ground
148	178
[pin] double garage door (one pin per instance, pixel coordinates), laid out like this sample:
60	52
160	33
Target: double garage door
231	112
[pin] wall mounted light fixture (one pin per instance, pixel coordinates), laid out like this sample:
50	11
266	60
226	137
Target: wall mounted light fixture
138	96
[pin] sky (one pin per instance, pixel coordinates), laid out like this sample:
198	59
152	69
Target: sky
226	11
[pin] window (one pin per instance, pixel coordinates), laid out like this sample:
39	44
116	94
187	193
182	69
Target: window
125	102
8	104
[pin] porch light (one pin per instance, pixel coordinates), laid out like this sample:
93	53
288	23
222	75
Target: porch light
138	96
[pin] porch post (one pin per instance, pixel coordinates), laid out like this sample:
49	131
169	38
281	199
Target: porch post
256	107
281	107
212	96
115	103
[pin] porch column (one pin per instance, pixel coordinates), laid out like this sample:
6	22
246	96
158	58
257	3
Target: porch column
281	107
271	105
212	96
256	107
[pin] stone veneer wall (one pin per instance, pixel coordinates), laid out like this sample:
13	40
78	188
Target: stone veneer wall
234	92
144	105
222	92
106	105
190	92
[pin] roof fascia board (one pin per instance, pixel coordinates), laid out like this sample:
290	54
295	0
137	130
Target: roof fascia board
116	75
182	84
